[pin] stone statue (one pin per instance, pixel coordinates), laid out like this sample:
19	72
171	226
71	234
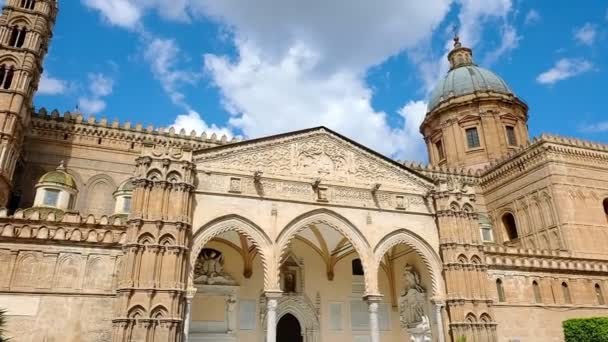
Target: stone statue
412	300
421	332
209	269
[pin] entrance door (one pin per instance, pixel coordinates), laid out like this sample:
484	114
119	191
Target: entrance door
288	329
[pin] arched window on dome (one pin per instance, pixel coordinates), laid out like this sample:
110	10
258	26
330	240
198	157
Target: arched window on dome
500	290
510	227
472	137
599	295
566	293
536	290
6	76
511	137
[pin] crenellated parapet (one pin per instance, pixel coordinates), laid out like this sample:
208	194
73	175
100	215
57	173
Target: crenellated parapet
75	128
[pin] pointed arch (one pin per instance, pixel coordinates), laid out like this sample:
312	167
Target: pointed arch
337	222
245	227
428	255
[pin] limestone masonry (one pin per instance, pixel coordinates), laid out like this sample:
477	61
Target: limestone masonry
118	232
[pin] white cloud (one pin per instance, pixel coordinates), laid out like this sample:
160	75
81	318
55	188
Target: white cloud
51	86
586	34
532	17
100	86
122	13
509	41
91	105
163	55
598	127
193	121
564	68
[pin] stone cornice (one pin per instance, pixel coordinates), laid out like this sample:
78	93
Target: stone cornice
507	258
71	228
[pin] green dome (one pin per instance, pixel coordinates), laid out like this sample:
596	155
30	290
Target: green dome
59	177
127	185
467	79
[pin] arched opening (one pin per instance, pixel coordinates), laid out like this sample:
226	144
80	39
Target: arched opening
357	267
227	266
566	293
510	227
6	76
536	289
289	329
500	290
605	204
599	295
407	274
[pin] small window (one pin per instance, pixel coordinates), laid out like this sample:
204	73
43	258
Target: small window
17	37
472	137
126	204
6	76
566	293
599	295
50	197
28	4
357	267
500	290
508	221
606	207
511	138
440	151
485	226
71	202
536	289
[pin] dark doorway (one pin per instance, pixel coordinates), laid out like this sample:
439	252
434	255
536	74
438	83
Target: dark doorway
288	329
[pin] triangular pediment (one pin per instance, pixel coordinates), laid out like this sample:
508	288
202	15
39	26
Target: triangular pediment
309	155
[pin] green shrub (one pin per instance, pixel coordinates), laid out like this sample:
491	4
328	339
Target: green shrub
2	325
586	329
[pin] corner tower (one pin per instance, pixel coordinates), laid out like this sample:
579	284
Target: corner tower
473	116
25	32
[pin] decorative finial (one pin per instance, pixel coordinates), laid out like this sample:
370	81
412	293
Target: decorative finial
61	166
456	37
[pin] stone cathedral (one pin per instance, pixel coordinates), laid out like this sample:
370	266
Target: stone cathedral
114	232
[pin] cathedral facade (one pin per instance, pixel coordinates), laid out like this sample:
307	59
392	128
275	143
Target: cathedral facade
115	232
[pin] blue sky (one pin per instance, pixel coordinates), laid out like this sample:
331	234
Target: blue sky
363	68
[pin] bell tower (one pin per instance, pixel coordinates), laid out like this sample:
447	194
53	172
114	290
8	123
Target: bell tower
26	28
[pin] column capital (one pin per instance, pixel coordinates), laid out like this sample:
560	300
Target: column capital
273	294
190	292
373	298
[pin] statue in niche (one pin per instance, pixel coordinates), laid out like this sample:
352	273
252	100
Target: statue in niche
412	299
209	269
421	332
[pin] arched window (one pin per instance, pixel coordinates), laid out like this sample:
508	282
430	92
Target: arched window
536	289
357	267
28	4
606	207
599	295
566	293
508	222
500	290
17	37
6	76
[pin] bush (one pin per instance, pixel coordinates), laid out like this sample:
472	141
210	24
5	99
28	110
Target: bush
586	329
2	325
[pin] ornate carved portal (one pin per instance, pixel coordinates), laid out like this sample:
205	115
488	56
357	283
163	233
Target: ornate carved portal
303	309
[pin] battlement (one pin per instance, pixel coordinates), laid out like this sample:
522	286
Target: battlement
75	123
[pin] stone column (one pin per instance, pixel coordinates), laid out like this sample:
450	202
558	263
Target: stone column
438	306
188	313
374	325
271	319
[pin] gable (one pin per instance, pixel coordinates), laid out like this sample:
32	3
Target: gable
310	155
